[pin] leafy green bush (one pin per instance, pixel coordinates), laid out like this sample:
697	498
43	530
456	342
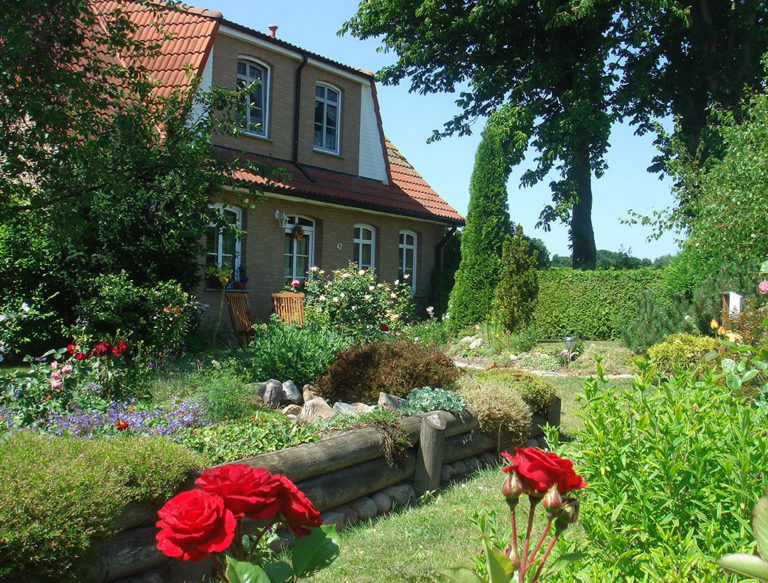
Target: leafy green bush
432	331
428	399
613	360
228	395
60	497
590	304
680	350
159	315
515	296
673	470
536	391
656	317
284	351
353	304
234	440
396	367
500	410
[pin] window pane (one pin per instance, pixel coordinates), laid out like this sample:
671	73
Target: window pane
366	249
302	246
330	140
319	113
409	258
229	242
319	136
333	95
228	263
301	267
366	234
320	91
356	254
241	69
330	113
211	240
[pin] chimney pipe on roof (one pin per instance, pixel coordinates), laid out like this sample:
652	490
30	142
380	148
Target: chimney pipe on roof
272	30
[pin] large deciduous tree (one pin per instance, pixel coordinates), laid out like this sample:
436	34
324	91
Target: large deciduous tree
548	59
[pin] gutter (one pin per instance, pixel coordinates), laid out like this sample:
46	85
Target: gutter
296	117
440	245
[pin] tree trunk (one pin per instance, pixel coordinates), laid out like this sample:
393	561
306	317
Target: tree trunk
582	234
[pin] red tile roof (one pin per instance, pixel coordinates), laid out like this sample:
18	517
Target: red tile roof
407	195
184	37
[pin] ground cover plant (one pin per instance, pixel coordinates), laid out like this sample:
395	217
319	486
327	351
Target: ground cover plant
44	539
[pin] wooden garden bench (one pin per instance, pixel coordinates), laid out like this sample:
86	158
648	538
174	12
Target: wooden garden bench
241	316
289	307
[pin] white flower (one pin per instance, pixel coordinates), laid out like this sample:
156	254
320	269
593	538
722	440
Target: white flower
344	275
336	299
397	282
406	276
354	307
393	295
361	272
343	295
371	288
3	317
367	297
321	298
24	307
313	268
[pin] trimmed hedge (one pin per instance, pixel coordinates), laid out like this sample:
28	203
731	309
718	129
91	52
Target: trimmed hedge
590	304
60	497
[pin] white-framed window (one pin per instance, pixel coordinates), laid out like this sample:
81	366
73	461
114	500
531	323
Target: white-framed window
327	118
364	247
299	254
406	264
223	245
255	113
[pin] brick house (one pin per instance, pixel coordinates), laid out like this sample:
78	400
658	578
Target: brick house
350	195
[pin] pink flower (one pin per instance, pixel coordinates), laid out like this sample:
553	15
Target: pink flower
56	385
763	287
295	283
54	365
55	376
66	369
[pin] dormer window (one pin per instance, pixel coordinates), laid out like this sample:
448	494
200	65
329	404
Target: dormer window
327	116
256	106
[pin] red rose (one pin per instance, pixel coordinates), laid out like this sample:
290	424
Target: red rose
119	348
79	356
298	511
246	491
194	524
101	349
71	348
384	327
539	471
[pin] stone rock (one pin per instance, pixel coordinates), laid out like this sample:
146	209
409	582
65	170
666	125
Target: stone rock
333	517
459	469
364	507
291	410
316	410
292	393
446	473
402	494
363	408
273	394
390	402
472	464
382	501
489	460
476	343
309	392
350	516
467	340
258	389
344	409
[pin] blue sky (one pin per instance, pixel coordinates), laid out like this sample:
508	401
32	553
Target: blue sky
447	165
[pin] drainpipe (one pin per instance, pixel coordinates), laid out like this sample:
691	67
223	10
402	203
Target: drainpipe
439	247
296	117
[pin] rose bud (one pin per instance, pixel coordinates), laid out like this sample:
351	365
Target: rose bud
513	555
569	513
512	488
552	502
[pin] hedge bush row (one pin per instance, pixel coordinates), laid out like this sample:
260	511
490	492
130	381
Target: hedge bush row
590	304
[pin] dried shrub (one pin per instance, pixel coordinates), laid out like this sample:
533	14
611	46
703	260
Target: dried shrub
536	391
500	409
397	367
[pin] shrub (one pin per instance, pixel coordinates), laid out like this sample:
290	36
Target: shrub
590	304
538	361
229	441
680	350
353	304
749	325
159	315
515	296
655	318
674	470
428	399
60	497
501	411
536	391
284	351
613	360
397	367
432	331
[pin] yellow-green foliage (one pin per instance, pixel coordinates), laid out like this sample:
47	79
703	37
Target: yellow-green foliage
59	497
536	391
500	409
615	359
593	305
680	350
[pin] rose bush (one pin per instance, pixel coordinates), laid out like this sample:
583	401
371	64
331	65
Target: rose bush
205	522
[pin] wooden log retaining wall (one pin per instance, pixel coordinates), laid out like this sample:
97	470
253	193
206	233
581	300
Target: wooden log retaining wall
345	476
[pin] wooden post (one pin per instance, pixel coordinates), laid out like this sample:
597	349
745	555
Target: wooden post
429	461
